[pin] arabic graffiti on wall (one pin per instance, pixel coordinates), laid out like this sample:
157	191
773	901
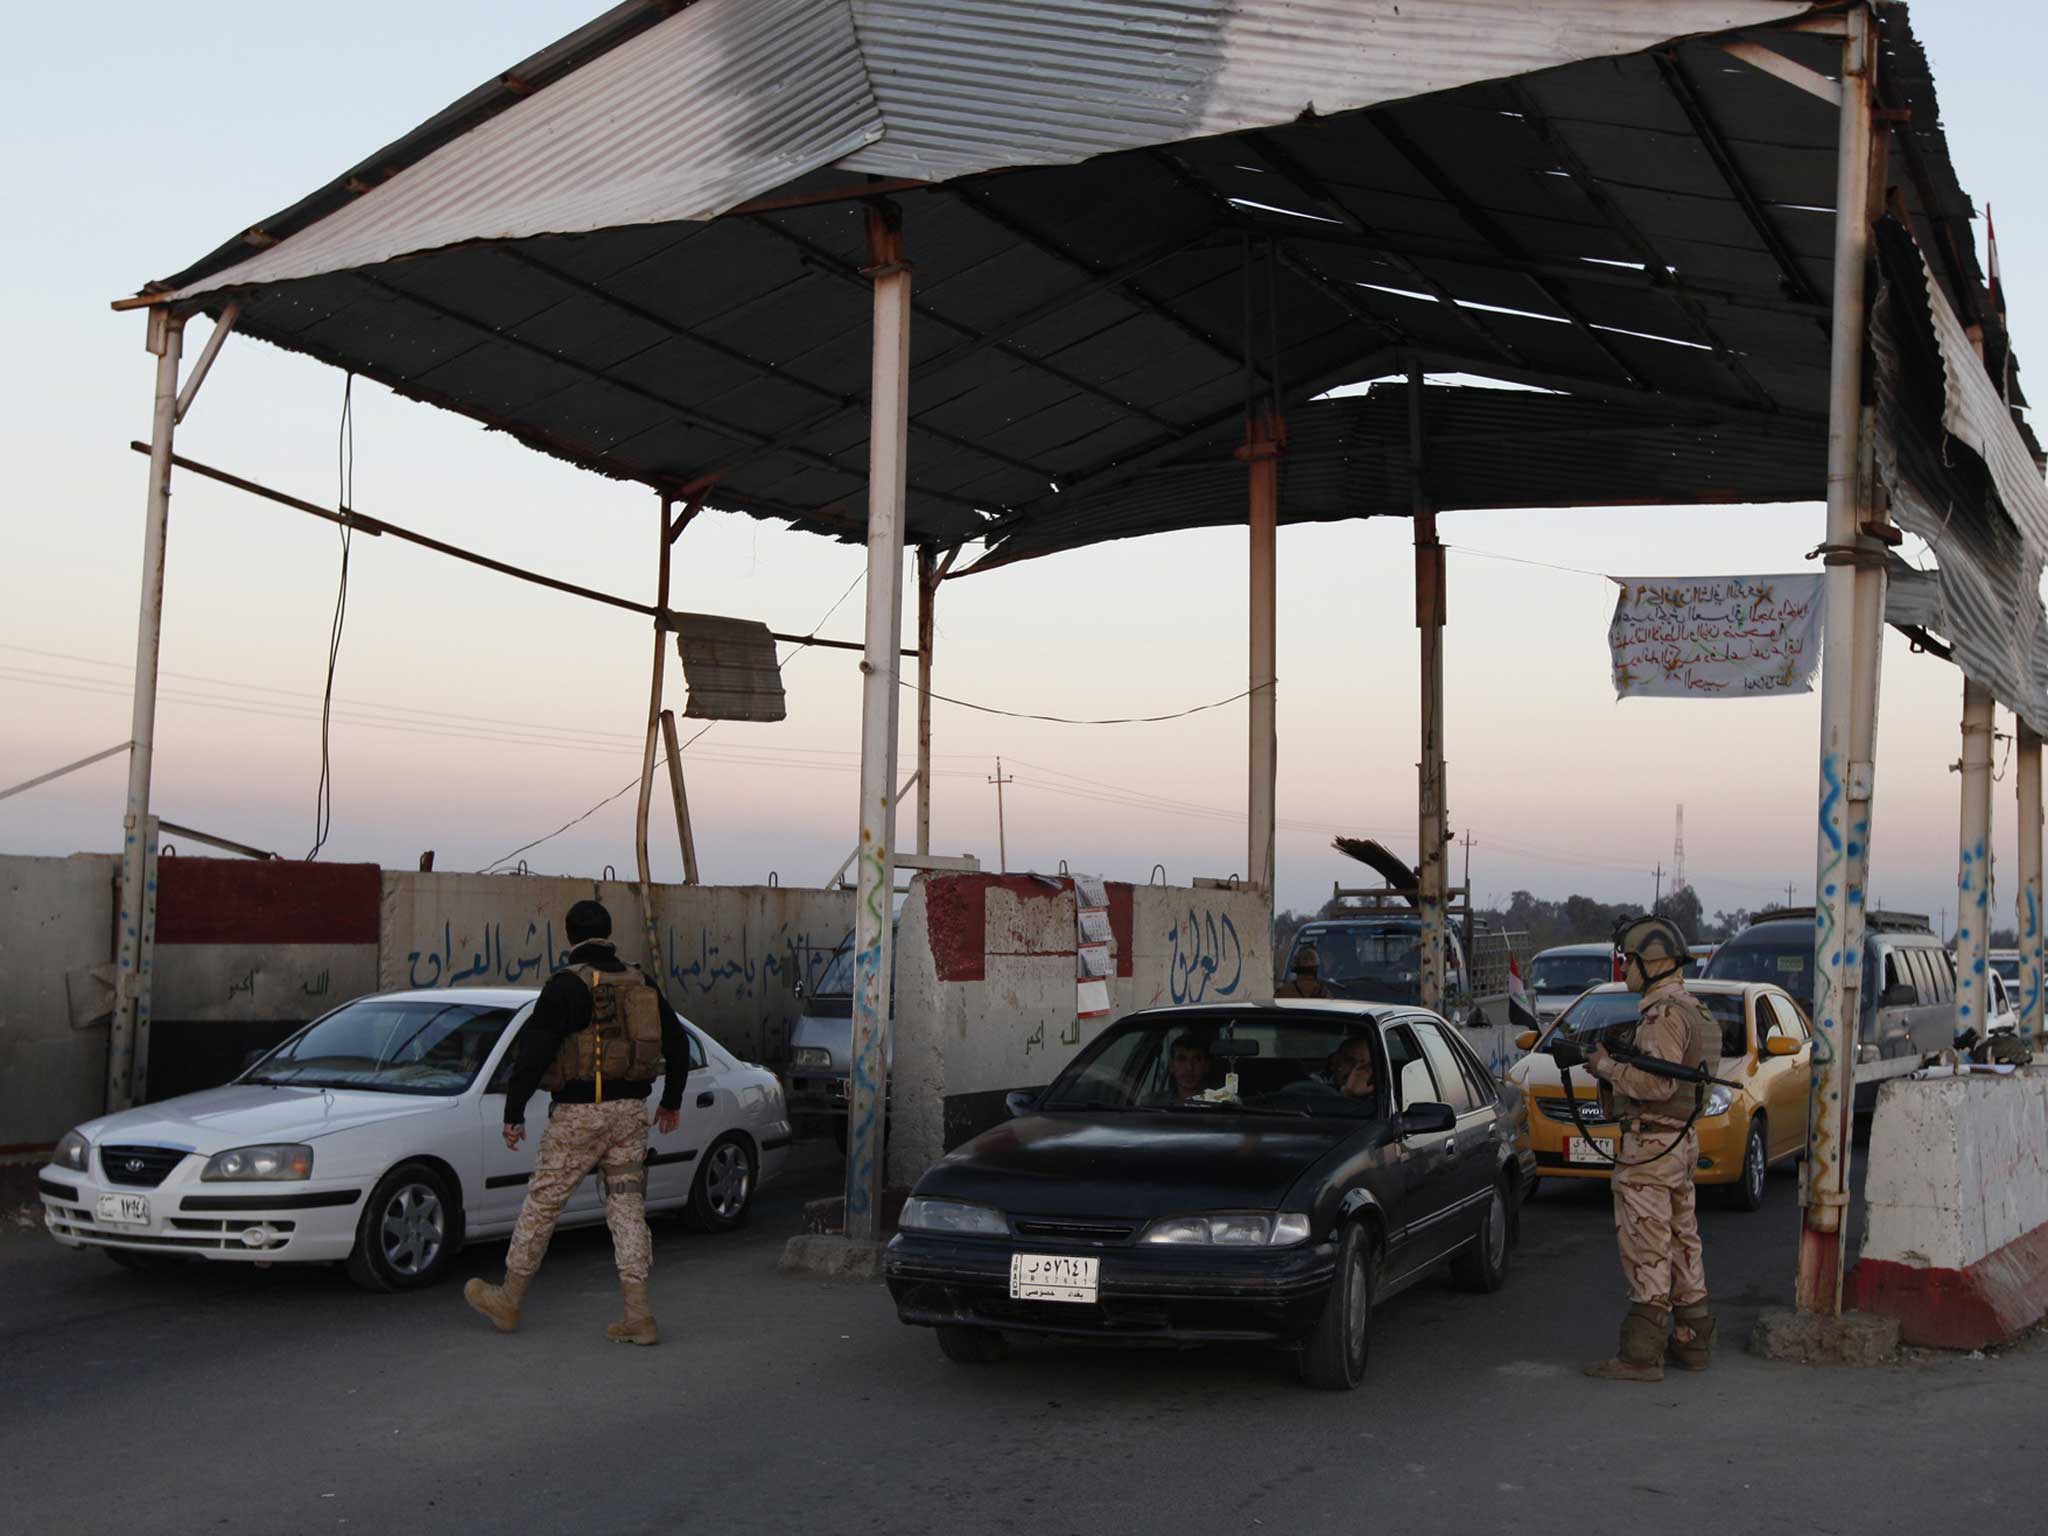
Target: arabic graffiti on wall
1207	959
711	966
1708	637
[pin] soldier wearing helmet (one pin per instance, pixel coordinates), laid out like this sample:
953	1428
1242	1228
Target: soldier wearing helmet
1656	1220
1306	980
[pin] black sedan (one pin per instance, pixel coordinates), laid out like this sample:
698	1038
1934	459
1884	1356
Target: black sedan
1258	1172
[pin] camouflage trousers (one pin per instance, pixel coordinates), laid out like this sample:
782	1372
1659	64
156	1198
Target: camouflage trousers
581	1137
1656	1219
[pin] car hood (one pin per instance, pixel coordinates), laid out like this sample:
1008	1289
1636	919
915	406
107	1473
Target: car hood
1133	1164
240	1115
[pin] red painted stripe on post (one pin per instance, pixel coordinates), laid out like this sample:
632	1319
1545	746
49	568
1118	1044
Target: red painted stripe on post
1122	923
247	901
1992	1301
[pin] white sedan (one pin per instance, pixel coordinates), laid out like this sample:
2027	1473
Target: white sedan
372	1137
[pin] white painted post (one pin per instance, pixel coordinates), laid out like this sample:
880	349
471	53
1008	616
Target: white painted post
1973	863
1848	707
1432	870
888	469
927	603
132	980
1262	454
2027	750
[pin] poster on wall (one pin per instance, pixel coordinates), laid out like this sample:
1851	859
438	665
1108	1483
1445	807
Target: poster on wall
1715	637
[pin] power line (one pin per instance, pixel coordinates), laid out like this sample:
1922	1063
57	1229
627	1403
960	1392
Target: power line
1012	714
344	495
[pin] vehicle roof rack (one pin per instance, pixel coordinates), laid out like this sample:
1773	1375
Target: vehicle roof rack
1877	918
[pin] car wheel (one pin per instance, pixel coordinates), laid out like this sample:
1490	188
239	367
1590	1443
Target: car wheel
1334	1355
1483	1266
971	1346
410	1229
1531	1190
723	1194
1747	1193
146	1263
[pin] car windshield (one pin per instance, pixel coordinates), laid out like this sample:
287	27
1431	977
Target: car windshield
389	1045
1782	961
1570	973
2007	966
1290	1064
1379	958
838	978
1599	1011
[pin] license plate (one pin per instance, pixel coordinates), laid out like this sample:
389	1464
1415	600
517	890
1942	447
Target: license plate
1581	1149
1052	1277
125	1210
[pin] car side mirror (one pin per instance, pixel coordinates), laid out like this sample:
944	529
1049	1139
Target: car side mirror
796	988
1782	1045
1899	995
1526	1040
1020	1101
1427	1119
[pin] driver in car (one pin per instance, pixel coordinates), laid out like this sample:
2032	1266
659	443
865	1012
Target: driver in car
1188	1068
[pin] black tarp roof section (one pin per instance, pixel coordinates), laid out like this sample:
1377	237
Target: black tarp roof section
1652	230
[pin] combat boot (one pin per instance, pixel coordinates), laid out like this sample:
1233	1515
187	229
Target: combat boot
1692	1336
637	1326
500	1303
1641	1357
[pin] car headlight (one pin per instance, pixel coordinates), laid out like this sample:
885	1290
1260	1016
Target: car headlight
286	1160
73	1152
923	1215
1718	1100
1236	1230
811	1057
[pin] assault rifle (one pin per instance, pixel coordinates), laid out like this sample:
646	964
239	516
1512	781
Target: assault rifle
1569	1053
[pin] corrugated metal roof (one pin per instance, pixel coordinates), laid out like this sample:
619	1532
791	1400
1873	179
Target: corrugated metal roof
712	106
731	668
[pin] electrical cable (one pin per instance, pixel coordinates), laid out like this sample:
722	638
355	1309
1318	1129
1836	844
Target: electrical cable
345	478
1548	565
1012	714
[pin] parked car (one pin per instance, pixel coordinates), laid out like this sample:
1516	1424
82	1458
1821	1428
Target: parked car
1701	954
821	1043
1742	1130
2004	1014
1559	974
1907	999
2007	963
1378	957
371	1138
1272	1207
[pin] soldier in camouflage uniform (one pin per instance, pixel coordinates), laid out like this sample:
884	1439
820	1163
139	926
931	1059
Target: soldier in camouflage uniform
1306	980
1655	1216
598	1037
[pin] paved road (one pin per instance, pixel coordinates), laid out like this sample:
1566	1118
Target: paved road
230	1400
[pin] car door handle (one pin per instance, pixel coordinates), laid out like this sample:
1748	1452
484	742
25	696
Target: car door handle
706	1100
1450	1145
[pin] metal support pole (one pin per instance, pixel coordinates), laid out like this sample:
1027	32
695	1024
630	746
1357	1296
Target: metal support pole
131	996
1262	453
685	833
1973	863
1432	872
146	961
2027	752
641	815
1848	709
888	465
927	598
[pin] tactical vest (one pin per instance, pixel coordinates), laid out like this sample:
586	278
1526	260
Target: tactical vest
622	1042
1702	1049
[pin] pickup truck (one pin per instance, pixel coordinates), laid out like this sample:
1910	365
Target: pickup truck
1378	959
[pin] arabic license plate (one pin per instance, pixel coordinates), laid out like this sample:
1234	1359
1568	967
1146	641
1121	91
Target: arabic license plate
125	1210
1052	1277
1580	1149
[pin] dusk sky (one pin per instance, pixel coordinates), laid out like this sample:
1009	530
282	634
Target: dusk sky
475	714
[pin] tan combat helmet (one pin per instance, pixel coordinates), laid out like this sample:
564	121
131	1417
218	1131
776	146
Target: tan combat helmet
1657	943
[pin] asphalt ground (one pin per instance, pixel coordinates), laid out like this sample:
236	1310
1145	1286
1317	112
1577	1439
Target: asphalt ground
228	1399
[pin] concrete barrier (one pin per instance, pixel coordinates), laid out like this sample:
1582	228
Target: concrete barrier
985	989
56	927
1956	1226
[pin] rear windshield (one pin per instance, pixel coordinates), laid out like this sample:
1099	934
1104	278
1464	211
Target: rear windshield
1782	959
1604	1010
1288	1064
1570	973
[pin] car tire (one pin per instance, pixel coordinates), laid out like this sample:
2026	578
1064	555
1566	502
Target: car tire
971	1346
722	1195
1482	1266
1334	1355
146	1263
409	1232
1747	1192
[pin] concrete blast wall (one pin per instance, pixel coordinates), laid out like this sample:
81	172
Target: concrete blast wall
985	989
56	919
731	954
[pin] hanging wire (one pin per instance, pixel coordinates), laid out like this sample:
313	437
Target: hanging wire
1179	714
344	495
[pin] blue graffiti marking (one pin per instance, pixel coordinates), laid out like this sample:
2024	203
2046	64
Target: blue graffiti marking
1202	947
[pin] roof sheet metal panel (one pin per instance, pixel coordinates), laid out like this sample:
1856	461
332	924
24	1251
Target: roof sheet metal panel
731	668
970	85
715	105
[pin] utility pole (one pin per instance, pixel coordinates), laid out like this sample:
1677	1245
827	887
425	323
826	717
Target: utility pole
1790	887
1002	839
1658	900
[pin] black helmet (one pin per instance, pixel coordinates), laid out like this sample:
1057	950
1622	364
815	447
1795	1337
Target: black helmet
1653	941
588	920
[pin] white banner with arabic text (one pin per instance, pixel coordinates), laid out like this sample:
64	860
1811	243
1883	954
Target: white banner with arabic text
1715	637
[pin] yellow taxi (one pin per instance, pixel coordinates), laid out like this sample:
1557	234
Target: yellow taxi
1766	1048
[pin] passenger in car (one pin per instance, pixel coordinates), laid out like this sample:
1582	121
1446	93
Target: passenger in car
1351	1066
